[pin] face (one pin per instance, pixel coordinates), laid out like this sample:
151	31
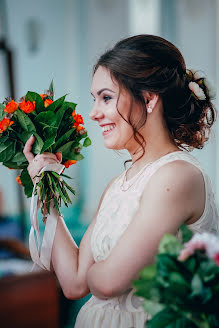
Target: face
117	133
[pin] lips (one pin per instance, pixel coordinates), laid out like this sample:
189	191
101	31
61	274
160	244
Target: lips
107	128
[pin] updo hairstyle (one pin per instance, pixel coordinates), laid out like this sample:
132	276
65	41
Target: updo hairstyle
151	63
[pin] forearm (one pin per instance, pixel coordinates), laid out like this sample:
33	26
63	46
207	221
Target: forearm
65	259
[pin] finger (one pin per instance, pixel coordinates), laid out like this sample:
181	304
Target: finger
27	149
45	157
59	156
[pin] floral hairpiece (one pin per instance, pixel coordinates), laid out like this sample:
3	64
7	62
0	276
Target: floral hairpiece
199	85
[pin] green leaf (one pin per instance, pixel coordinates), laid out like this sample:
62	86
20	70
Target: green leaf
152	307
69	188
68	152
163	318
56	104
170	244
165	264
3	143
75	156
25	121
27	183
7	151
60	114
48	143
70	107
147	289
46	119
2	113
186	233
149	272
197	286
178	285
65	176
87	142
39	103
18	161
38	144
62	139
66	149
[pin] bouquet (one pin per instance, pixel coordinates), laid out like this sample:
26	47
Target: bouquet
181	289
56	128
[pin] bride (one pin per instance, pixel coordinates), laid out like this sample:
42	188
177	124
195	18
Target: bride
145	101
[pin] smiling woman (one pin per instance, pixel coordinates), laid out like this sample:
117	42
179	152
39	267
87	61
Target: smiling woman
147	102
116	130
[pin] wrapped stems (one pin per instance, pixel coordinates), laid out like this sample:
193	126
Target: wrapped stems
53	189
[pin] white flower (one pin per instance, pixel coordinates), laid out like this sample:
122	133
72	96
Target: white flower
198	75
198	92
211	89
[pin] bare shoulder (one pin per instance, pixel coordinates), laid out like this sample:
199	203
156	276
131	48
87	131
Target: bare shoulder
178	186
178	175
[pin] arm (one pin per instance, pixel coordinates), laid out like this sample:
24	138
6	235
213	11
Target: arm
173	195
69	262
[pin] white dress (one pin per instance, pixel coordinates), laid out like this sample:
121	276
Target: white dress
117	210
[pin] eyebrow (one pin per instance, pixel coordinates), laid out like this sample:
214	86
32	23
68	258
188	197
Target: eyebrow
101	90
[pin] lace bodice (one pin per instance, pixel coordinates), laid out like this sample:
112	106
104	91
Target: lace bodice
117	210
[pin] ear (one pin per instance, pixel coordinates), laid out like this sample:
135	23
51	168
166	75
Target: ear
151	99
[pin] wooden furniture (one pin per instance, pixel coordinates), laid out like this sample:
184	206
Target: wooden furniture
29	300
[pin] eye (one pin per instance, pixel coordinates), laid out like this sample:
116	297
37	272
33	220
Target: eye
106	98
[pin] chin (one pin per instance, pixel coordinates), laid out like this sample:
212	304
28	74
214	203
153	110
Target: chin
110	145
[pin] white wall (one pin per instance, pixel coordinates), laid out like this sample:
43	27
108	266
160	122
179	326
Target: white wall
43	35
104	23
196	36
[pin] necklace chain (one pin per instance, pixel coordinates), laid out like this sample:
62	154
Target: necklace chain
122	188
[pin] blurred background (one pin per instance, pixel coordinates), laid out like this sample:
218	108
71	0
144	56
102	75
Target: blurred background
61	40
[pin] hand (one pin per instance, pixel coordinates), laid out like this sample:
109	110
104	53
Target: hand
36	163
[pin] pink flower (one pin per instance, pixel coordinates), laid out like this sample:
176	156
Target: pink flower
204	241
216	258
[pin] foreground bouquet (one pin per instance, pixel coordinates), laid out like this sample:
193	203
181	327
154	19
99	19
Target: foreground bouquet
56	128
181	289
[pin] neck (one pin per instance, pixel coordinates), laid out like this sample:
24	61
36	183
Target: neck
157	145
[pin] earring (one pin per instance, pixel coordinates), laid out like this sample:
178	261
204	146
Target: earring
149	109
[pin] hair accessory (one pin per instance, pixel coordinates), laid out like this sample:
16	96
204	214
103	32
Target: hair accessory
197	90
200	85
149	109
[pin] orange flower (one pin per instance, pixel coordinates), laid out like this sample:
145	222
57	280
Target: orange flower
11	107
69	163
43	96
79	128
27	106
4	124
18	179
47	102
77	118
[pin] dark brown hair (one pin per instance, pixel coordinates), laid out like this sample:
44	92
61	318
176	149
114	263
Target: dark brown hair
151	63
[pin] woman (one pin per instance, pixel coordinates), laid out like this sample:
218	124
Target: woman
146	102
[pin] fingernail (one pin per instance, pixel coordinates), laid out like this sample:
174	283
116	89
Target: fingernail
31	136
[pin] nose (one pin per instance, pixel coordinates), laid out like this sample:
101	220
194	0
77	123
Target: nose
96	113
